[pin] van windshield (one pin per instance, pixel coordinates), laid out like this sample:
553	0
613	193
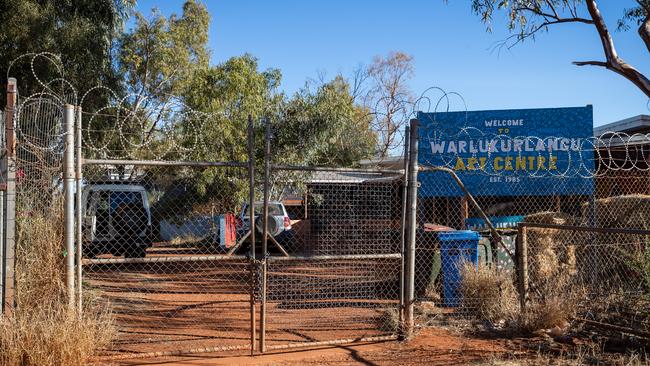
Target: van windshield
124	198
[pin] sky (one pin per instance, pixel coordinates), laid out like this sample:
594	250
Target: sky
450	47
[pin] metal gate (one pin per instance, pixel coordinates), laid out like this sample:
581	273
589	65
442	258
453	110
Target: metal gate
174	262
335	277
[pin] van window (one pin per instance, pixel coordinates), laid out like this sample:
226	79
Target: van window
98	200
121	198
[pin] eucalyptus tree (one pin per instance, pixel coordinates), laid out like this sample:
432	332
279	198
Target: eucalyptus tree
528	18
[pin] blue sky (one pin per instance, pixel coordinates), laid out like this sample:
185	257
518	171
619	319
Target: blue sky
450	47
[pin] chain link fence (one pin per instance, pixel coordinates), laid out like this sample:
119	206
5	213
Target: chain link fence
195	253
341	278
582	257
312	258
156	249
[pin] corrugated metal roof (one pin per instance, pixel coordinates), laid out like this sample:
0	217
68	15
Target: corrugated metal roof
350	177
640	124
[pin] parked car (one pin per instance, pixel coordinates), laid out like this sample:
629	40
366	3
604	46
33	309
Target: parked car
116	220
279	224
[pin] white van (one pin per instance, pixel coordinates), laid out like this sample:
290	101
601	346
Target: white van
116	220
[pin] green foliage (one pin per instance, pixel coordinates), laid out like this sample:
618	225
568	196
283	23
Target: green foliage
324	127
161	74
81	32
156	59
635	15
525	16
159	54
228	93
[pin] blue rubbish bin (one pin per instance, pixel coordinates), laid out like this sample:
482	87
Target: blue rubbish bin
456	246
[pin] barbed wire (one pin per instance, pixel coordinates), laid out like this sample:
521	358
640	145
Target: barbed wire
135	126
537	156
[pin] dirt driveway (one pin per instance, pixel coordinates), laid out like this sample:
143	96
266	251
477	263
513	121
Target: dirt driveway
432	346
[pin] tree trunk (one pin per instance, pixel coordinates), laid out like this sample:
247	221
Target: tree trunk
614	62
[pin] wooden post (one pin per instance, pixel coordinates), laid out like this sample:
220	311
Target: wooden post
304	204
464	211
434	211
522	266
448	220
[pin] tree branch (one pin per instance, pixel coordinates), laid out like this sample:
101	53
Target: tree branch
590	63
644	31
614	62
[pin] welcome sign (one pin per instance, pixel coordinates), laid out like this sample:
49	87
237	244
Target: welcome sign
509	152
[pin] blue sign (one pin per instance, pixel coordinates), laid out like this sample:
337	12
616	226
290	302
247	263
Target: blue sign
517	152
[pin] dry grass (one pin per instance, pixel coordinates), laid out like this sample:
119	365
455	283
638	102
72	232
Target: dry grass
487	293
554	311
389	320
579	356
42	331
554	293
186	239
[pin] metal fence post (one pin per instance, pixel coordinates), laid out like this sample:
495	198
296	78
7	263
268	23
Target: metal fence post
251	209
78	210
265	233
409	321
407	139
68	189
2	247
522	266
8	284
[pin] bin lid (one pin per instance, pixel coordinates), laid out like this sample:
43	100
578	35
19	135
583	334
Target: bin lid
458	235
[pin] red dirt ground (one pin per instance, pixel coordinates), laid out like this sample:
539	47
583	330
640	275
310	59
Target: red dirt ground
432	346
161	307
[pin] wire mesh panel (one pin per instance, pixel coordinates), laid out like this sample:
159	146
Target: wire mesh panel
157	247
340	276
600	275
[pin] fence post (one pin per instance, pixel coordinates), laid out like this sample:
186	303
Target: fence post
68	199
522	265
409	321
78	209
8	281
265	233
593	249
2	245
251	209
407	139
